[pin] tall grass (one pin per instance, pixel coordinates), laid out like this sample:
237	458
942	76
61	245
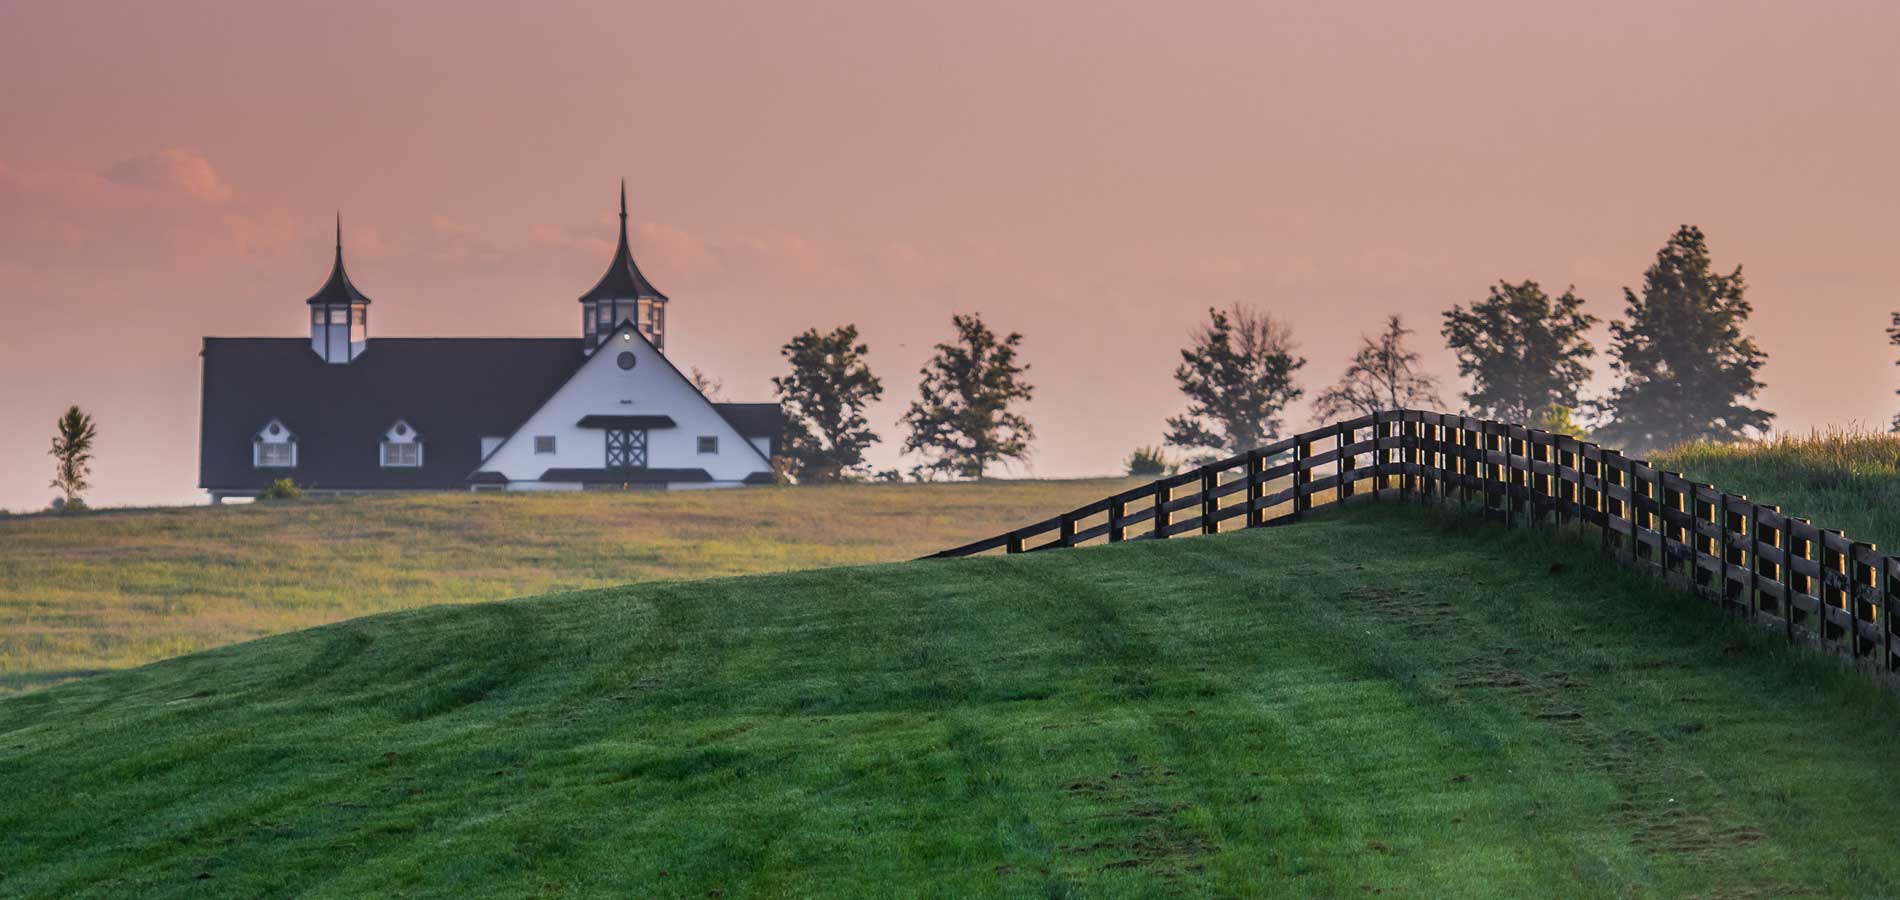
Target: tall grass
1845	478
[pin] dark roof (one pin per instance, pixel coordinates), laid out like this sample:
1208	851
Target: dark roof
754	419
624	476
625	422
623	280
453	391
338	290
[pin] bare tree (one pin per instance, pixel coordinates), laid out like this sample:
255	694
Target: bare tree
1384	375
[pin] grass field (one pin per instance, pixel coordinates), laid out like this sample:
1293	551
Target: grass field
1848	480
83	594
1381	699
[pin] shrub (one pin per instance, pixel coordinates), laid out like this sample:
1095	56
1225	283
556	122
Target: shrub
1150	462
63	505
282	489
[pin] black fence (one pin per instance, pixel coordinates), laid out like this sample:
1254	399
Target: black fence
1813	583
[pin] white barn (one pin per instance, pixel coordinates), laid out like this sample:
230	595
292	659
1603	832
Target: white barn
344	412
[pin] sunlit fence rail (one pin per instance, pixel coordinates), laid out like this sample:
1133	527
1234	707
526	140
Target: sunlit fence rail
1813	583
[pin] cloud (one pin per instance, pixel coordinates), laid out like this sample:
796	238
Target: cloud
172	171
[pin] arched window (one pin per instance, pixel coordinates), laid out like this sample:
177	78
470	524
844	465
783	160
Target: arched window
274	447
401	447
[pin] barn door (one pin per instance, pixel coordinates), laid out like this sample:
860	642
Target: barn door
626	448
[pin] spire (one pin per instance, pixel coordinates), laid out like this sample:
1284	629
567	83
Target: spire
337	290
622	280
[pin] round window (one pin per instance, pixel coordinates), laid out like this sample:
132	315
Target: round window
401	429
276	428
626	360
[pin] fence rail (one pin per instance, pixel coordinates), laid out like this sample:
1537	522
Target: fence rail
1815	584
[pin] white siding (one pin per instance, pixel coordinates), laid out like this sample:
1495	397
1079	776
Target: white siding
651	387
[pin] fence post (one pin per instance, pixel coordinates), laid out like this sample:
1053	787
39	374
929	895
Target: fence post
1256	488
1117	509
1885	612
1209	481
1857	579
1342	466
1065	530
1299	478
1787	575
1015	543
1161	510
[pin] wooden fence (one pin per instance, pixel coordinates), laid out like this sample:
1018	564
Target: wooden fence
1812	583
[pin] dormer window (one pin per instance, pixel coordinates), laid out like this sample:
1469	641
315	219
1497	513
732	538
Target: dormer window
274	447
401	447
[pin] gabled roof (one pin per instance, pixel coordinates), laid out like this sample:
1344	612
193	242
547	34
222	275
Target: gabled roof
452	391
623	280
754	420
338	290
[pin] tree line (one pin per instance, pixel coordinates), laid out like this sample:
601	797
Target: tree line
1684	365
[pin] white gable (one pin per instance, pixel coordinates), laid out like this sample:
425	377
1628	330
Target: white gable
650	386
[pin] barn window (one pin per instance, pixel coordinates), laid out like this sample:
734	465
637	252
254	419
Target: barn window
275	455
544	443
401	454
708	443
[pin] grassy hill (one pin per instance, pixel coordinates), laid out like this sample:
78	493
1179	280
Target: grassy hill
83	594
1839	479
1382	699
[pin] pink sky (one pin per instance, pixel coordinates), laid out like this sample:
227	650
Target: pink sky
1091	174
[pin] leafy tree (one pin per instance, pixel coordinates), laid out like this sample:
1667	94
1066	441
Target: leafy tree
1523	351
72	454
1384	375
1558	420
1893	337
1150	462
1238	375
824	398
963	419
1686	364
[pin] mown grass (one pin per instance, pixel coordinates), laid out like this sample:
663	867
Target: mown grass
88	593
1838	478
1382	699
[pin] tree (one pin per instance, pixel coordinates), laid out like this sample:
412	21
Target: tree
824	398
1523	351
1384	375
1558	420
1686	364
963	420
72	452
712	388
1238	375
1149	462
1893	337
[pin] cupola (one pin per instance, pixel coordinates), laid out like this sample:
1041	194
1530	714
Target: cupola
339	313
623	295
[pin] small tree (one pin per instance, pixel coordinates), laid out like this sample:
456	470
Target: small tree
963	420
824	398
1523	351
1558	420
1893	337
712	388
1238	375
1384	375
1150	462
1686	364
72	453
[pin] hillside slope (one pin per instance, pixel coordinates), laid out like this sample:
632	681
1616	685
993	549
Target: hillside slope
83	594
1848	480
1380	698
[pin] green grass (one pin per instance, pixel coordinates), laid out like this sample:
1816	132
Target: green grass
1381	699
1837	478
81	594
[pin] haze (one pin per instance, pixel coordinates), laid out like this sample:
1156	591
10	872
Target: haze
1094	175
